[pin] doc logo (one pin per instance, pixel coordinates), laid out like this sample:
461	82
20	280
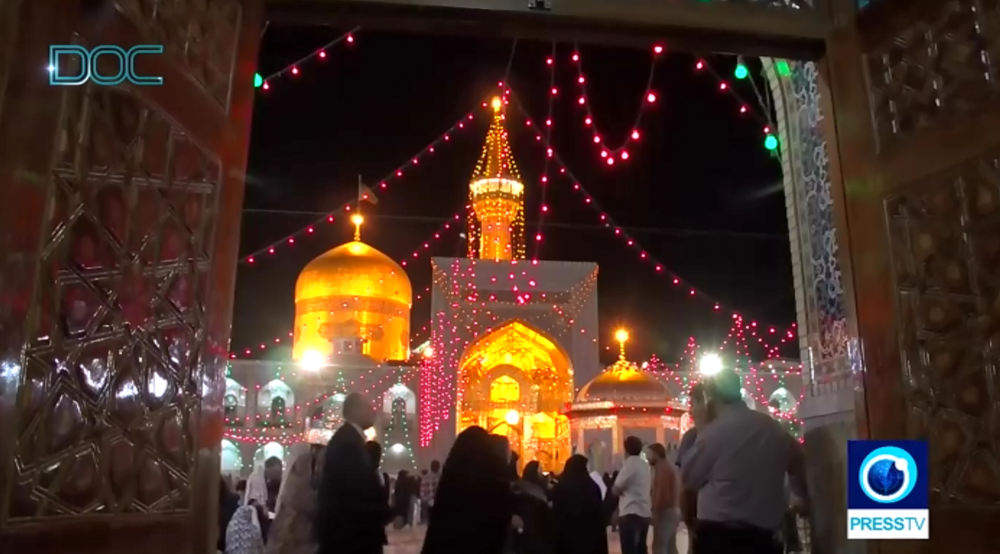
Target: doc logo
887	490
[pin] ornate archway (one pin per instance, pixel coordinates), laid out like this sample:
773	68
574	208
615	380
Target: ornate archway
515	381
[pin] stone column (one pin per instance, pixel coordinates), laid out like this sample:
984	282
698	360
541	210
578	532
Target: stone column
660	434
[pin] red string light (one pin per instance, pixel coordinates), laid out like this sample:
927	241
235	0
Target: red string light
607	152
435	236
543	207
755	376
743	107
633	244
458	284
394	176
293	68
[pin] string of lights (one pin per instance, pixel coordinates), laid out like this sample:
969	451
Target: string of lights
397	432
543	208
764	383
474	312
633	244
741	72
435	236
393	177
293	69
649	98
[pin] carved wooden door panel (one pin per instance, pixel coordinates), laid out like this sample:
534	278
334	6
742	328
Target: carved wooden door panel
916	98
119	223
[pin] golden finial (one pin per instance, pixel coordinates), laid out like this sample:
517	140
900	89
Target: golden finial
621	336
357	220
497	103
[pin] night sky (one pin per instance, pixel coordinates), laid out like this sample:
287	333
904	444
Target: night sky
699	191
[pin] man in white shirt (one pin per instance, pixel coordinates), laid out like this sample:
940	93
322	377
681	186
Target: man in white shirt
632	487
699	415
738	466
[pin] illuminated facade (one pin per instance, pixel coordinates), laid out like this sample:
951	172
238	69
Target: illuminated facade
624	400
484	308
496	193
274	408
515	381
352	297
509	336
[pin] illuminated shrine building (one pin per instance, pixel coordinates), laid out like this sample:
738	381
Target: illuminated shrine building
624	400
352	314
352	297
279	408
515	382
496	193
510	337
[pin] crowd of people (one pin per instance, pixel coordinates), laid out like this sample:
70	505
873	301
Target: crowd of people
737	482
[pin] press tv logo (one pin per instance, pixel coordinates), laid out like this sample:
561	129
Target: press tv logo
72	65
887	494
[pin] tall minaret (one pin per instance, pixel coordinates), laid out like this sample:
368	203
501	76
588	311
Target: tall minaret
496	192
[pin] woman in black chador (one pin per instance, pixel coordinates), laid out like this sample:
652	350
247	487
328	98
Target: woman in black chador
581	525
472	506
402	500
531	505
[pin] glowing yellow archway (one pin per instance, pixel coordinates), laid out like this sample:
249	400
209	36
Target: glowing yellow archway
515	381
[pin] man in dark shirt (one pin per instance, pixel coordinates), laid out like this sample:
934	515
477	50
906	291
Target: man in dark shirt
351	508
689	498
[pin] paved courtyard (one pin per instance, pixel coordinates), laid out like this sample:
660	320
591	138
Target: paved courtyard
408	541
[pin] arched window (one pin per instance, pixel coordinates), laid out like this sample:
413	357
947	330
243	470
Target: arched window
277	409
782	401
269	450
232	460
273	399
397	392
504	390
399	406
230	403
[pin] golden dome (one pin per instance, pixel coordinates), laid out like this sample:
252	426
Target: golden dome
624	382
353	291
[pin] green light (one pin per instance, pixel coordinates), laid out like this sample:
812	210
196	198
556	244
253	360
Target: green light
741	71
257	80
783	68
771	142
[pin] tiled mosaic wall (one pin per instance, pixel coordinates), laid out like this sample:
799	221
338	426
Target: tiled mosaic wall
805	162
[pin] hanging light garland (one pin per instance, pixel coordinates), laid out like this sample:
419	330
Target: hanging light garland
607	152
436	236
543	208
755	376
393	177
741	72
474	313
402	417
294	69
632	244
